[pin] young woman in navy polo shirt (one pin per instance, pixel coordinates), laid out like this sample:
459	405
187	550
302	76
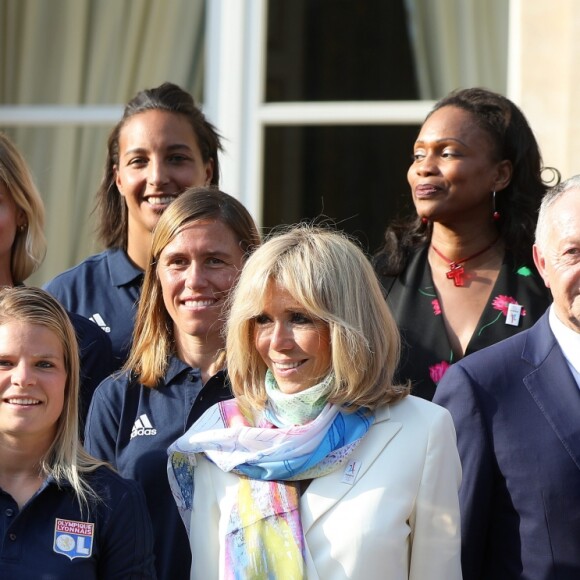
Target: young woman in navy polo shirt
161	146
175	368
63	514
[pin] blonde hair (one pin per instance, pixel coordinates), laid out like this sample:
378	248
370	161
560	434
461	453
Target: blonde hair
65	460
331	278
29	246
153	340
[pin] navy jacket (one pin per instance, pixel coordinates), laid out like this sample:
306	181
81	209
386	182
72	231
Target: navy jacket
516	408
97	362
105	289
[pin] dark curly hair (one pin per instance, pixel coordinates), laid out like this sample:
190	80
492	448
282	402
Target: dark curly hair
111	209
518	203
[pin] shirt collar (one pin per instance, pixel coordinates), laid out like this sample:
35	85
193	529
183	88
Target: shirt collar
568	340
174	368
122	270
50	480
177	366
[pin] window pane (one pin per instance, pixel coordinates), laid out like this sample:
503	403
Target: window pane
332	50
329	50
356	176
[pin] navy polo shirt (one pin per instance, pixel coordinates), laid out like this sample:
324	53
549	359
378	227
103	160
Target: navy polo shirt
105	289
50	538
131	426
97	362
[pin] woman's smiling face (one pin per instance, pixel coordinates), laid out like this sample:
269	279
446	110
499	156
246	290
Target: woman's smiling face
32	381
197	270
159	157
293	344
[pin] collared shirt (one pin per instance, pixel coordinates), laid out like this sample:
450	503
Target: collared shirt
569	342
50	537
104	288
131	426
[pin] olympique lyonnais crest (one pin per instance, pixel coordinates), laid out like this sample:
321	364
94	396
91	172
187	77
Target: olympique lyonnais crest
73	539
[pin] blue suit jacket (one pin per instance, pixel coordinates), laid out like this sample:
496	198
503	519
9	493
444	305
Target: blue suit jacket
516	408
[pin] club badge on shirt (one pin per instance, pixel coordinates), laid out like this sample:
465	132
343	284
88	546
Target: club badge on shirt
73	539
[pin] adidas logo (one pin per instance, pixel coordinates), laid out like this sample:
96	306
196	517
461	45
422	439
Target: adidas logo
142	426
98	319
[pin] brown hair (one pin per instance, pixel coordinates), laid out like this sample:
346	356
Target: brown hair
153	340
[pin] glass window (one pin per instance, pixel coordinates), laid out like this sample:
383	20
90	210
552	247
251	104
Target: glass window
366	50
355	176
338	50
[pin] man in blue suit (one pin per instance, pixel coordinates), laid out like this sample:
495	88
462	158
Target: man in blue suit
516	408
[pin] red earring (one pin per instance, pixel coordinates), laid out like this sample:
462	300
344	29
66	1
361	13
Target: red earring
424	220
496	215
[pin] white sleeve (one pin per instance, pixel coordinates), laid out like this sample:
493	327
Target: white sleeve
435	523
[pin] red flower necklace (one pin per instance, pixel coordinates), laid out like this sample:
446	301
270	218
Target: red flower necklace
456	269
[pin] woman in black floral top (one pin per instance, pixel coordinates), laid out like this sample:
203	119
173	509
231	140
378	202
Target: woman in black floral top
459	276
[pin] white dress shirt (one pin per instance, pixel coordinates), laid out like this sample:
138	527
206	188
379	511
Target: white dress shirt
569	342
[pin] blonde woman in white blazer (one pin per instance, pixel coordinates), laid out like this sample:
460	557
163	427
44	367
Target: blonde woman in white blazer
321	467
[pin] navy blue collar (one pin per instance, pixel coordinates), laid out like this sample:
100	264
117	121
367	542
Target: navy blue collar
121	269
177	366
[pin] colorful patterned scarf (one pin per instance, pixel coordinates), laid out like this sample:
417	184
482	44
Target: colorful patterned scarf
264	537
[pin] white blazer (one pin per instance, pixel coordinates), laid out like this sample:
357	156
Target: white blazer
398	520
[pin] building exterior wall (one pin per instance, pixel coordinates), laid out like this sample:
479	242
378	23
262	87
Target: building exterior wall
545	78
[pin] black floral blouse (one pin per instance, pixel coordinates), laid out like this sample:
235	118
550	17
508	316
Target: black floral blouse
426	350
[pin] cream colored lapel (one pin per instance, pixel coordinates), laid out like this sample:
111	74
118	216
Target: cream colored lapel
322	494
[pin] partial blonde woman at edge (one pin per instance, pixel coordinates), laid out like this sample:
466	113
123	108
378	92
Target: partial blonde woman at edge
22	239
22	250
